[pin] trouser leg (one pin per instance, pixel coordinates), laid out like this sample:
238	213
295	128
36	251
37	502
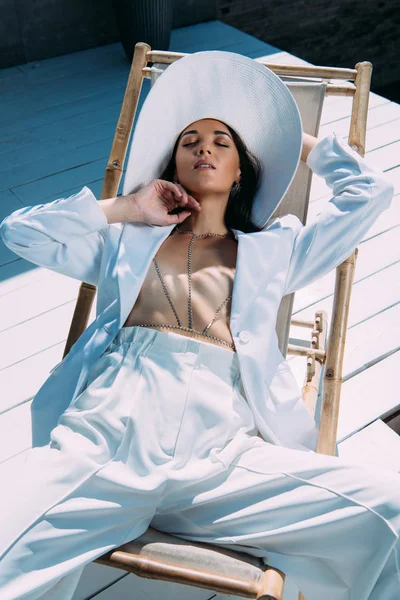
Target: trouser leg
329	524
387	585
65	523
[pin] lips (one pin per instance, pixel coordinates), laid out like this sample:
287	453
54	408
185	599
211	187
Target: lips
203	162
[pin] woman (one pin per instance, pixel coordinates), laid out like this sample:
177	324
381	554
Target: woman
161	422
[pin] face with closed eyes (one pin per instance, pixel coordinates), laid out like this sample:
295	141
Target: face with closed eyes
208	141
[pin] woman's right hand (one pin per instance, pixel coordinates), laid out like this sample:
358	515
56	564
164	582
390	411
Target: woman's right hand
153	202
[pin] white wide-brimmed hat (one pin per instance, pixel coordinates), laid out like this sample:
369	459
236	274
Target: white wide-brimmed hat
231	88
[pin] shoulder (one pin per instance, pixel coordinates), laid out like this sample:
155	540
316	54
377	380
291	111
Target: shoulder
285	227
285	222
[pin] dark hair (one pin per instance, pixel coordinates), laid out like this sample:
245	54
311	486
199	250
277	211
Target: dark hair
240	203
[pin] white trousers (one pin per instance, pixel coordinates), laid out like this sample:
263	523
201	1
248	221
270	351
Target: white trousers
163	436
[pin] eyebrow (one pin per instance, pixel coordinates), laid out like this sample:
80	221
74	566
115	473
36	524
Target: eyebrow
216	131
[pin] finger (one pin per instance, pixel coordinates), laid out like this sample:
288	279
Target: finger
173	187
193	202
178	218
171	200
184	198
188	199
183	215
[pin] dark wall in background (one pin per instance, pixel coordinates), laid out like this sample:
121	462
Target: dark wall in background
338	33
35	29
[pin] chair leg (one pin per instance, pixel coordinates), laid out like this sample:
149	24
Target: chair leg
272	584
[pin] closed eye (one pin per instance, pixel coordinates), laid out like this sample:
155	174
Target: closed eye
191	144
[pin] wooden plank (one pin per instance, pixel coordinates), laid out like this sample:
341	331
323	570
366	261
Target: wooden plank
367	343
368	396
369	297
146	589
35	299
95	579
365	397
17	274
377	115
386	133
394	176
16	432
50	121
283	58
9	468
34	333
376	445
95	187
210	35
33	192
68	121
386	157
251	48
38	333
72	63
341	108
10	73
21	381
8	204
372	258
32	336
106	65
61	161
374	98
76	132
32	75
85	85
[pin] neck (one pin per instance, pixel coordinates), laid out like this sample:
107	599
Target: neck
210	219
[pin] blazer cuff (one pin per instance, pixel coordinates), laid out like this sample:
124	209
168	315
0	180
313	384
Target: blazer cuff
85	207
329	147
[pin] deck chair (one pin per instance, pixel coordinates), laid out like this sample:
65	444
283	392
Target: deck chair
156	555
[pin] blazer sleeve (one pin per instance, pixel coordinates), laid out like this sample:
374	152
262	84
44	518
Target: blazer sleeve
360	194
66	235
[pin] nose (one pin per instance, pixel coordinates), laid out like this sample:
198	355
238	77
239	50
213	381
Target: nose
204	148
201	151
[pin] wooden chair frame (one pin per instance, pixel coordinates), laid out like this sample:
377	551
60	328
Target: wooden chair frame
327	351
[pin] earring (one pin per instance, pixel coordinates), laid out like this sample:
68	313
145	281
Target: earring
235	187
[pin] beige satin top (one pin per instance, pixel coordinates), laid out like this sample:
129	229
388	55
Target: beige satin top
213	272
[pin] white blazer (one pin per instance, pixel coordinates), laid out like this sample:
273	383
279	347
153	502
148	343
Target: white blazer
72	236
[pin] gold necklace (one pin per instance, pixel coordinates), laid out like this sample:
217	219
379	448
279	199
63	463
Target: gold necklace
177	228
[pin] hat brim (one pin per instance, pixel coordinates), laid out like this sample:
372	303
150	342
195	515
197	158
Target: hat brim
231	88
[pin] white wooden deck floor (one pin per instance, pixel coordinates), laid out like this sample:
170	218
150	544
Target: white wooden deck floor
36	305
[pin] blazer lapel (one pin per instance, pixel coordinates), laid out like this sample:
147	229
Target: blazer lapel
255	263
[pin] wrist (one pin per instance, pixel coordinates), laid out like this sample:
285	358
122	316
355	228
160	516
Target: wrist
121	209
132	208
309	141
